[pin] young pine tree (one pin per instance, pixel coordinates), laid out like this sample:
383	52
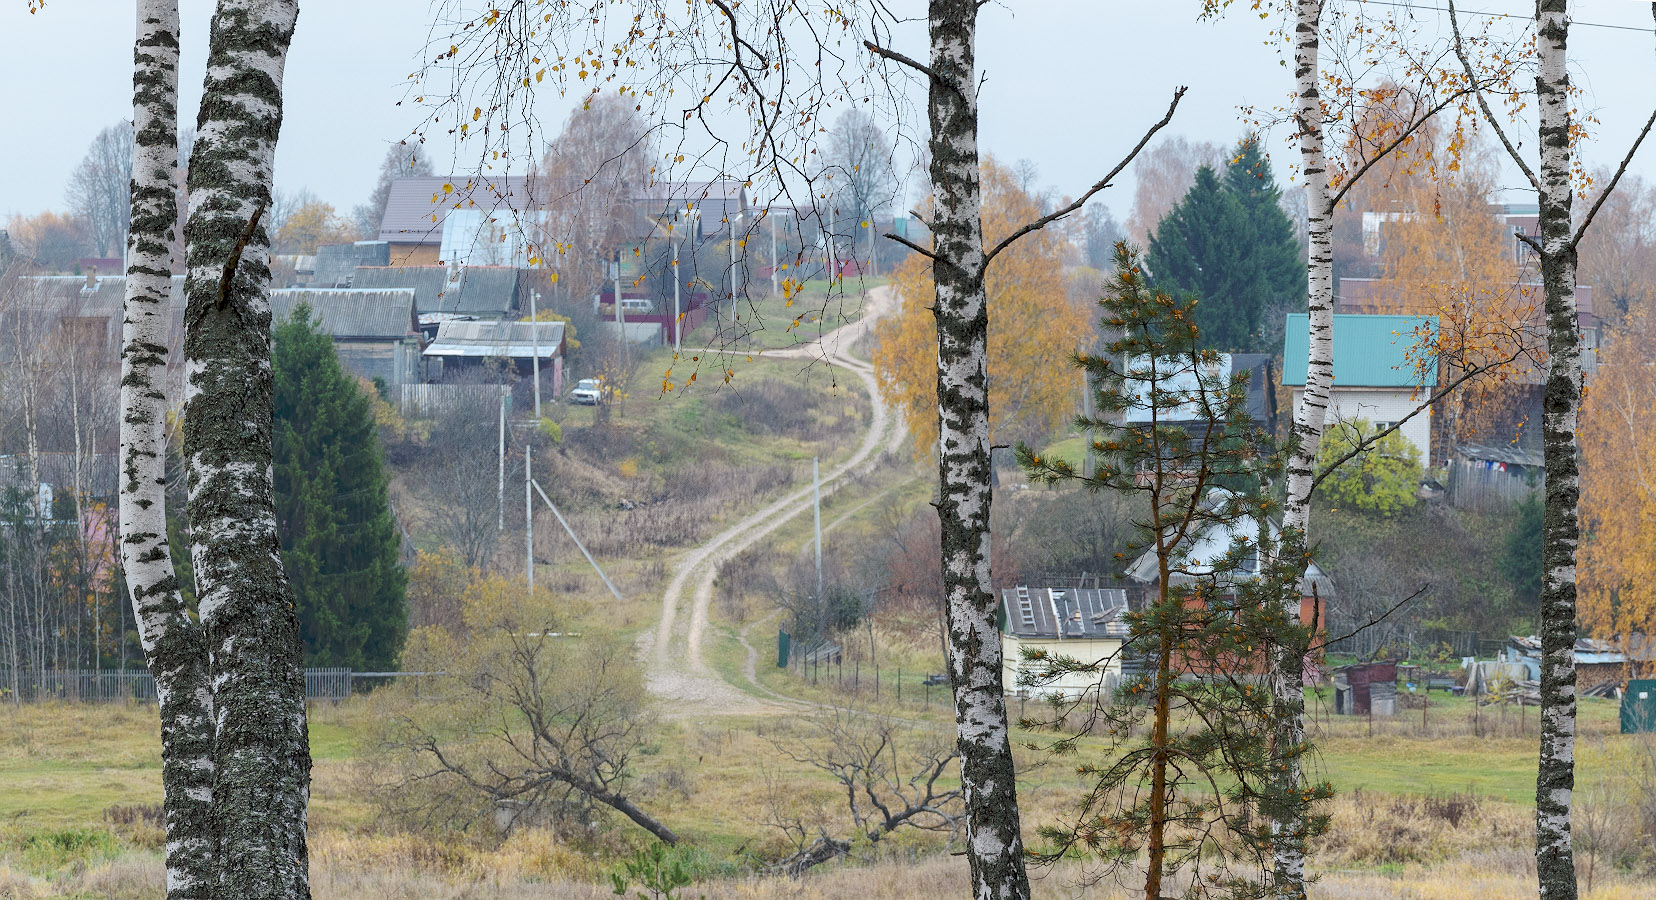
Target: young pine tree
1186	788
339	542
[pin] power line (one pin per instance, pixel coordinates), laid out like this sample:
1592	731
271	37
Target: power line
1501	15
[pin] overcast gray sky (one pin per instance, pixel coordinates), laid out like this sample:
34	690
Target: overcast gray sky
1069	84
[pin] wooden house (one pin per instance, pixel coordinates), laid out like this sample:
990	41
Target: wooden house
1083	624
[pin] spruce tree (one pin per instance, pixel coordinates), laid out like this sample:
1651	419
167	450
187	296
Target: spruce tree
339	542
1229	243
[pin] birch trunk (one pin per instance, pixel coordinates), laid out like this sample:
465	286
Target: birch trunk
994	841
1287	669
173	646
261	776
1555	775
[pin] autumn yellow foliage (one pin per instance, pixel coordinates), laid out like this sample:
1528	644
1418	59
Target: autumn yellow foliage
1449	256
1034	327
1618	484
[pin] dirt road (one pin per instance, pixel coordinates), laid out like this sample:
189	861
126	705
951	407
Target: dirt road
678	670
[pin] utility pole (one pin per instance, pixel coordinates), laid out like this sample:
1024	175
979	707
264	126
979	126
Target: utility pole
678	325
816	506
534	343
500	492
620	312
529	515
774	261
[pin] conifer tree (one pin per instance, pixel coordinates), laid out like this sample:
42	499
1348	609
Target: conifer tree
1187	785
339	542
1229	243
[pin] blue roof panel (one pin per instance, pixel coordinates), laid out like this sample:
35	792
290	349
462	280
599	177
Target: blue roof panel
1369	351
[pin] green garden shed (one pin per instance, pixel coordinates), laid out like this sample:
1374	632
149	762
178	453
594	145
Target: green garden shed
1638	707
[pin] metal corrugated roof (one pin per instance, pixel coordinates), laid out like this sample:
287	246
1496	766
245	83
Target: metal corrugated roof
512	340
351	313
1510	453
336	263
472	290
1082	613
1369	351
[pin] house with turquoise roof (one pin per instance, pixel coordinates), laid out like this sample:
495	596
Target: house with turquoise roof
1384	370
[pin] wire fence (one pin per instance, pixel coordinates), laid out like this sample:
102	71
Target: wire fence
138	686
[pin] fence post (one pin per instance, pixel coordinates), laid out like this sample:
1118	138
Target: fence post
899	684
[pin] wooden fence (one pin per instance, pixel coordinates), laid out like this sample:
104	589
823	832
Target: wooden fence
419	401
137	685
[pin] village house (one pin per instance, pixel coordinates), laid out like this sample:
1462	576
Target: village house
1214	541
417	224
336	264
1083	624
374	331
1379	376
1178	375
448	292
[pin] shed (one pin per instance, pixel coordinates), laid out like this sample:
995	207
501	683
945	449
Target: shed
1368	689
1638	707
1598	663
1485	477
461	344
1084	624
374	331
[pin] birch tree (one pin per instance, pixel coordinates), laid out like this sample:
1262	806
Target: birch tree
173	645
261	773
236	761
1555	186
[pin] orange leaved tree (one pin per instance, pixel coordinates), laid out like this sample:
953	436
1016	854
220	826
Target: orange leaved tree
1033	322
1618	485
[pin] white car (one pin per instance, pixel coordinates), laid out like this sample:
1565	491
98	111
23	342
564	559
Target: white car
587	391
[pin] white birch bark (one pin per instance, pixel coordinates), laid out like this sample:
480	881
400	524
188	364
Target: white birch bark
261	776
994	841
1287	669
1555	775
172	643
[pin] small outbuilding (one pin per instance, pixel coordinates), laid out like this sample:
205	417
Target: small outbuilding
374	331
462	345
1368	689
1638	707
1084	624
